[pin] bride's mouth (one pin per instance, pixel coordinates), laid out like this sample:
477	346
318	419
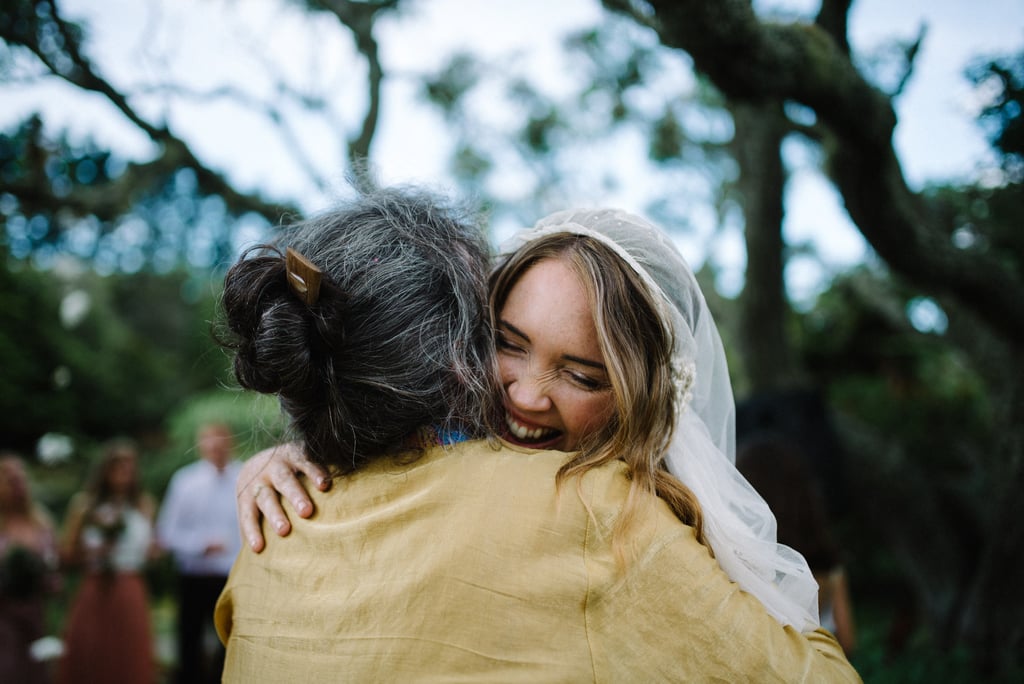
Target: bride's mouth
527	435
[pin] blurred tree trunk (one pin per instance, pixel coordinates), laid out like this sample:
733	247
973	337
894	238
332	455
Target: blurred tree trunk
765	348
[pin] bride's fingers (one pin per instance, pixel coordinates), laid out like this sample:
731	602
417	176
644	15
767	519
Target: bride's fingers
315	473
283	478
292	456
269	503
249	519
265	478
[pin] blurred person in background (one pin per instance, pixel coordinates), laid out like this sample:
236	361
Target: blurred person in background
779	474
198	525
108	534
28	564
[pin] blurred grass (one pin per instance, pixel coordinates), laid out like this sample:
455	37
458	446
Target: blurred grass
918	661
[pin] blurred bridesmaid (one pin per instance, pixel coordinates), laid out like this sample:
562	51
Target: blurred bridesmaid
28	563
109	535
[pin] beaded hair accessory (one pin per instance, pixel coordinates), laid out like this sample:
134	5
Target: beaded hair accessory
303	276
684	375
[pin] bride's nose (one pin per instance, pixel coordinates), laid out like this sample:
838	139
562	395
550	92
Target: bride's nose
527	392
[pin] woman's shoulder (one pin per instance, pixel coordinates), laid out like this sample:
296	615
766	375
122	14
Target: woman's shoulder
536	471
600	494
466	479
471	459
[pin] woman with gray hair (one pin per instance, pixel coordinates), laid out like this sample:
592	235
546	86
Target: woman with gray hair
384	340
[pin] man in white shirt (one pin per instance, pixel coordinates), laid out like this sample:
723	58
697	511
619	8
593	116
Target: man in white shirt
198	524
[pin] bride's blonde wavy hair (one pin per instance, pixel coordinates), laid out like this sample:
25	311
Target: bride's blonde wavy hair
637	348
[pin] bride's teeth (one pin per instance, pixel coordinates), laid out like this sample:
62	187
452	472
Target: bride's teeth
521	431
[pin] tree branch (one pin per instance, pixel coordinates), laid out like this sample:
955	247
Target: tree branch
751	61
833	19
271	110
359	17
69	64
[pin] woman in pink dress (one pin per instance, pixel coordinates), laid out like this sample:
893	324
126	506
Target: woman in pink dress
28	562
109	535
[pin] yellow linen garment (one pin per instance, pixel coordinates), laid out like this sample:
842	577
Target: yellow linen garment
465	565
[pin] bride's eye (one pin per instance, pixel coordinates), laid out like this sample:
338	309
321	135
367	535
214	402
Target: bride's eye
586	382
504	344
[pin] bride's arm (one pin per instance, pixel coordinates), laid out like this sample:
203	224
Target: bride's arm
264	479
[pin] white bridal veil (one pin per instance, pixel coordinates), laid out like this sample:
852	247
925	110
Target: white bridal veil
737	522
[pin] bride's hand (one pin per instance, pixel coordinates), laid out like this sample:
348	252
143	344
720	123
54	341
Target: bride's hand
267	476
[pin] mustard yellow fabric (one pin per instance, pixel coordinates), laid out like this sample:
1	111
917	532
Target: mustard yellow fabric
466	566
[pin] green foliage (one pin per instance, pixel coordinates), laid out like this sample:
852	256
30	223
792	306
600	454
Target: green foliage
623	84
469	164
933	425
1002	116
32	24
447	88
918	662
667	137
918	659
984	219
540	130
987	217
61	195
28	159
879	367
614	66
135	349
58	198
255	420
914	391
936	424
30	344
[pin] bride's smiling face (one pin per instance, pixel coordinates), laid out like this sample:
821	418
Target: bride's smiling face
557	389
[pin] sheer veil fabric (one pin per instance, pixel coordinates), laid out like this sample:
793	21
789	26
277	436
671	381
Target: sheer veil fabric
737	522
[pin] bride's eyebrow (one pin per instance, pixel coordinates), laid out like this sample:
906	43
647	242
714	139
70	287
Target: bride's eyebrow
513	329
585	362
568	357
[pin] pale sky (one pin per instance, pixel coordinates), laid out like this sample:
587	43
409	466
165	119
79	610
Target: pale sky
197	41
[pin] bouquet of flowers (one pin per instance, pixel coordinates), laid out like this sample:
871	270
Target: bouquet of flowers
104	527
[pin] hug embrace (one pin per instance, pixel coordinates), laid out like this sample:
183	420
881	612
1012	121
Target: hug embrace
525	470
